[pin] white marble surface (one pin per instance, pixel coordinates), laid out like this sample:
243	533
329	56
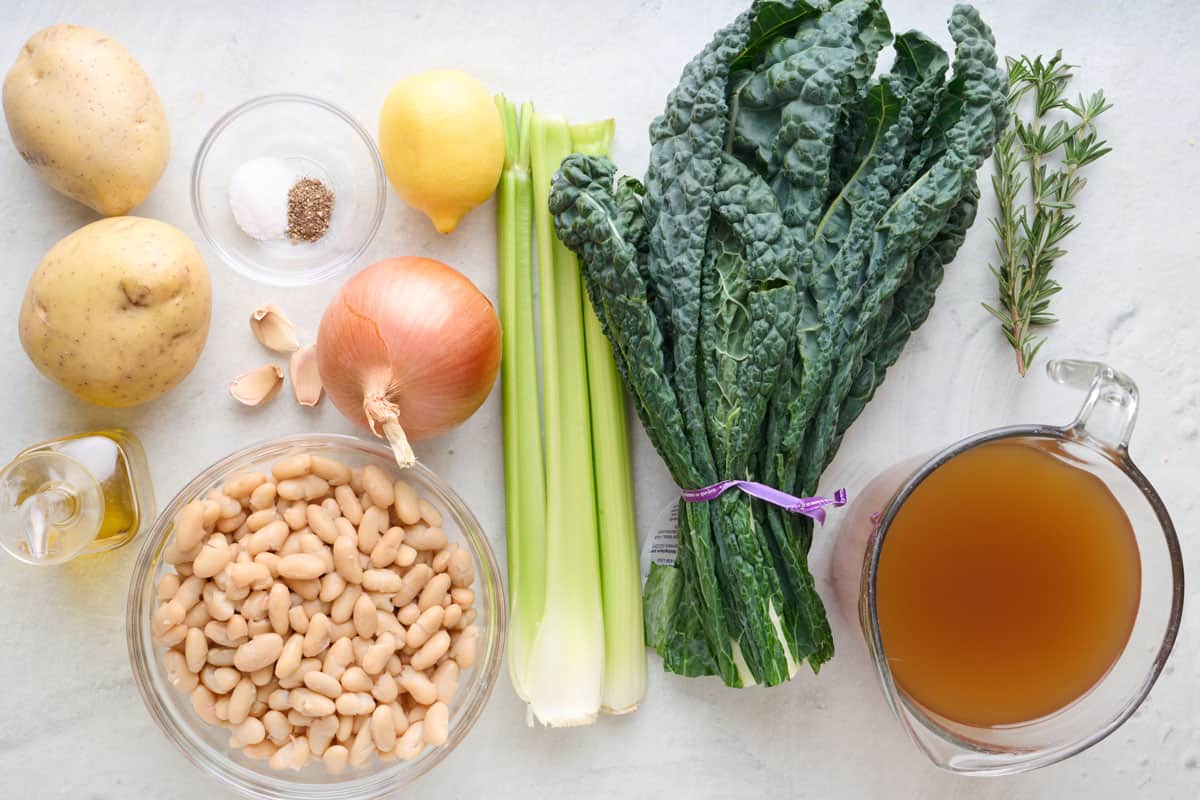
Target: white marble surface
72	725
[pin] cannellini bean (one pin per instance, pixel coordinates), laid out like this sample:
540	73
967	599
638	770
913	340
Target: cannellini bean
406	556
296	514
437	724
174	636
278	728
248	731
310	703
273	534
291	489
241	486
219	680
462	597
167	616
338	657
179	674
383	728
235	629
279	601
316	638
385	689
261	519
263	497
321	523
323	684
204	702
196	649
468	617
289	656
360	646
332	586
345	729
240	700
347	501
452	616
231	524
190	592
429	623
189	526
260	651
409	614
378	485
292	466
334	472
408	505
342	609
261	751
320	733
464	649
414	581
417	713
293	755
355	703
365	621
374	522
247	574
298	619
460	569
386	622
430	514
355	680
254	607
336	758
394	665
296	679
198	617
345	558
270	561
433	592
280	700
167	586
221	708
431	651
217	633
362	747
445	678
423	538
388	548
221	656
256	626
410	745
418	685
301	566
377	654
308	589
380	580
263	679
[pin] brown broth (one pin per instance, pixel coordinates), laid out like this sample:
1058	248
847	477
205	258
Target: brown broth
1008	585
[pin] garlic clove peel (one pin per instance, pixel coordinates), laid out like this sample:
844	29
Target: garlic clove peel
273	329
257	386
306	380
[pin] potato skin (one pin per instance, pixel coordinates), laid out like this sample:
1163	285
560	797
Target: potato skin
118	311
85	116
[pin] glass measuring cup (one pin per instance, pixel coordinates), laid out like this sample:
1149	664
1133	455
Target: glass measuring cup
1098	442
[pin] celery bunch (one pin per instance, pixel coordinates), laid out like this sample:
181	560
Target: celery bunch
575	642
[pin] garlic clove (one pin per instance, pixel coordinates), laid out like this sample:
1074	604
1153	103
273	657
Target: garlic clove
257	386
306	380
272	327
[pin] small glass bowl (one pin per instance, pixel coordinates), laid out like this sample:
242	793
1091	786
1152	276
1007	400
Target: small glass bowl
206	745
318	139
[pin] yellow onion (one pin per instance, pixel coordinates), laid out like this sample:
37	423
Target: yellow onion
409	348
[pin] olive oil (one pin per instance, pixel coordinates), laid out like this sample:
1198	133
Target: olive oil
1008	585
75	495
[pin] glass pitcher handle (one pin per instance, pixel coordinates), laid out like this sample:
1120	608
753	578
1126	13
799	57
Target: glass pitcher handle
1110	410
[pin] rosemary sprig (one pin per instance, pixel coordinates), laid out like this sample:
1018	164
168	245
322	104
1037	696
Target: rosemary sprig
1036	180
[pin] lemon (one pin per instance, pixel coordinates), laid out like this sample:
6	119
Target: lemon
442	144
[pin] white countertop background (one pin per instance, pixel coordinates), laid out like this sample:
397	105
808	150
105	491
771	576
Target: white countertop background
71	722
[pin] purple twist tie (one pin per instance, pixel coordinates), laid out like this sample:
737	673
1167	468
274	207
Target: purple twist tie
808	506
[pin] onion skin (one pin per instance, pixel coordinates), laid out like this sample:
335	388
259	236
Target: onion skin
410	345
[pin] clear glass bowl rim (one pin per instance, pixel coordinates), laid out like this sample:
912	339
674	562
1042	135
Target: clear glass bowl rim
385	781
334	267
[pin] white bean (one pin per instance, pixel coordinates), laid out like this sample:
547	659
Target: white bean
410	745
260	651
383	728
437	723
408	504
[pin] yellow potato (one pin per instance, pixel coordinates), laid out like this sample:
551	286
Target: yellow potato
85	116
118	311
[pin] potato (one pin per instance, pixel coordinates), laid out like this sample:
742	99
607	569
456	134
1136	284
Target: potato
118	311
84	115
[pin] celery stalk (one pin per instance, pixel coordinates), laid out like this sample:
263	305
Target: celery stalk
620	572
565	670
524	475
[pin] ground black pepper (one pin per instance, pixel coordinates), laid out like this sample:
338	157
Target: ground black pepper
310	205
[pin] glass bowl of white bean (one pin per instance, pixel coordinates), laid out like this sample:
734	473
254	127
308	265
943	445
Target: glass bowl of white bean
334	636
